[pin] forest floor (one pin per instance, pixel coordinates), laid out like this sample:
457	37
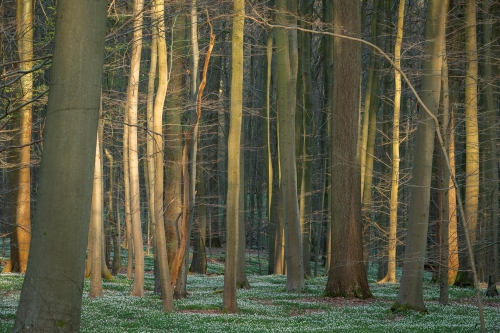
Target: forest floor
265	307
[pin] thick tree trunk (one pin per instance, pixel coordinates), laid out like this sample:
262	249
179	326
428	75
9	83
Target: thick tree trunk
347	275
471	199
52	292
410	294
229	304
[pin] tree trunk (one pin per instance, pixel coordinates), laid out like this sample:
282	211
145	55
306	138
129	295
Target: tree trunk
173	135
132	103
241	273
492	167
113	221
347	275
96	226
52	293
286	138
444	184
393	215
471	199
150	157
160	241
21	231
229	304
410	294
199	263
307	144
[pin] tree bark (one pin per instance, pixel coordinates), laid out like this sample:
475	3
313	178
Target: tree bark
347	275
52	290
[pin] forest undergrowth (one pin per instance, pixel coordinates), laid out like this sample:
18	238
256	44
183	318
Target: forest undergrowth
265	307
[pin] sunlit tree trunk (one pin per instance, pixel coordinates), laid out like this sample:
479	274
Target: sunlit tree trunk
229	303
471	199
410	295
21	236
393	215
347	275
150	163
96	225
132	104
129	241
52	290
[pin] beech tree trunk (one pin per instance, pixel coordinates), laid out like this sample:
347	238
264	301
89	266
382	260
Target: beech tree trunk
410	295
229	304
132	106
52	290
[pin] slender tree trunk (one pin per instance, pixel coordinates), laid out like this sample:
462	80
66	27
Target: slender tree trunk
96	226
241	274
286	134
132	103
347	275
308	111
367	120
444	185
268	160
492	167
129	241
150	157
393	215
52	293
22	235
229	303
453	260
199	263
160	241
111	219
410	294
